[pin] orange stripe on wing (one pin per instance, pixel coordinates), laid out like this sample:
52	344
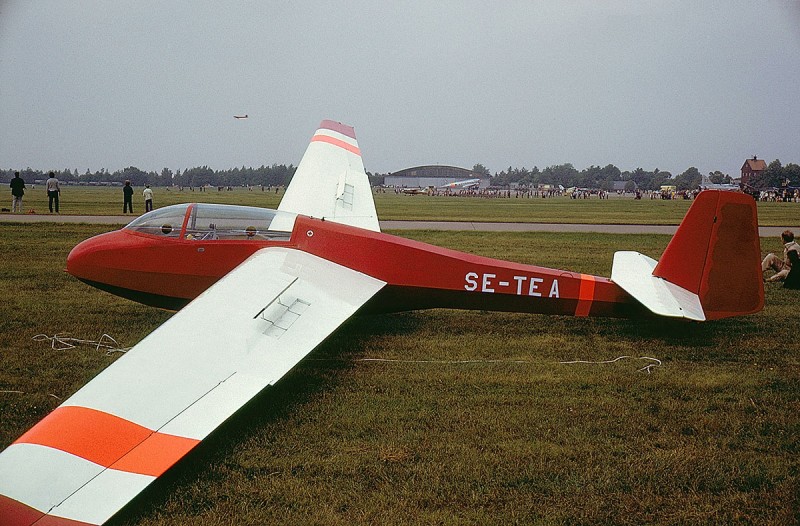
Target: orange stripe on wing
108	440
155	455
585	296
336	142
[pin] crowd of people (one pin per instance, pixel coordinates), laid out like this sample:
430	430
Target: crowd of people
53	189
18	192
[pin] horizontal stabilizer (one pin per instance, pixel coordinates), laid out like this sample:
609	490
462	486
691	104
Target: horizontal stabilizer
634	273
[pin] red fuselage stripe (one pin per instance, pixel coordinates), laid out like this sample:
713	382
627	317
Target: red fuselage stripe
336	142
108	440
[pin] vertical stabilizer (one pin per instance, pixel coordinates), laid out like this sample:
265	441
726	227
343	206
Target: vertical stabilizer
330	182
716	254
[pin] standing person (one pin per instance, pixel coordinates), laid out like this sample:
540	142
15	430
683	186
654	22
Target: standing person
782	267
53	192
148	198
17	191
127	198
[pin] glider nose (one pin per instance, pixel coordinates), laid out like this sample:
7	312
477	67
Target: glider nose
88	258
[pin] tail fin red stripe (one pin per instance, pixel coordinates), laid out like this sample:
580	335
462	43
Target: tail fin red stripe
336	142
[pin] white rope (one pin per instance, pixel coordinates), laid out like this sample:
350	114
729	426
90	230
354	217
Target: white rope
647	368
62	343
392	360
438	361
59	343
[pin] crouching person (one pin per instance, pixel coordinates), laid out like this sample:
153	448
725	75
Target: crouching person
782	266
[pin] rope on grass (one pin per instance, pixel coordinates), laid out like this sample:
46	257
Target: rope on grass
647	368
389	360
397	360
23	392
59	342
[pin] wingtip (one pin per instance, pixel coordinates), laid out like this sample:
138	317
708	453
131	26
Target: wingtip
15	513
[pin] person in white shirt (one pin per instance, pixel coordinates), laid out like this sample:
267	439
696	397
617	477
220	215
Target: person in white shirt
148	198
782	266
53	191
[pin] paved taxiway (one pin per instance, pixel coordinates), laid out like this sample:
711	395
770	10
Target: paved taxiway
764	231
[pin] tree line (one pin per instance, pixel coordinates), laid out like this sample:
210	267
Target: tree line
275	175
776	175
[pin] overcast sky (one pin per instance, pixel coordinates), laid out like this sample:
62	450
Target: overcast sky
152	84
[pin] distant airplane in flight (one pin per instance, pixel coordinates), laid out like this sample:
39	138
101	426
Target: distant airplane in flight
240	116
259	289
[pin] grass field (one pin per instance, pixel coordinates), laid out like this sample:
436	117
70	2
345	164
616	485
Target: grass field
625	210
512	436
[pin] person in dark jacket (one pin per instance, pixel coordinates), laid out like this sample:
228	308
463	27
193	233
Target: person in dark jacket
17	191
792	280
127	198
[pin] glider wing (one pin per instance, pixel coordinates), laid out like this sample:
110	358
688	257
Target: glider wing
116	435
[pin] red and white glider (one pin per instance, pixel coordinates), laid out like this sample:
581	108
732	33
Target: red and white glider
259	289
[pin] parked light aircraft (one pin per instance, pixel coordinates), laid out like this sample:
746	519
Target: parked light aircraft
466	183
706	184
259	289
418	191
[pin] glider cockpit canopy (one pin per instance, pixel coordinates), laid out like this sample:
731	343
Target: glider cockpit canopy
204	221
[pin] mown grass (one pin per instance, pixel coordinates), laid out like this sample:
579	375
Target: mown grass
390	206
510	436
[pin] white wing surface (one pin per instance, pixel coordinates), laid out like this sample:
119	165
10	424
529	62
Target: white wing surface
330	182
105	444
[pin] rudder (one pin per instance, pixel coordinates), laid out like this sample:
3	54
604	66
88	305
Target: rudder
716	254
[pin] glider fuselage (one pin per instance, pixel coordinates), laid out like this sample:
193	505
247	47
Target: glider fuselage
169	269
